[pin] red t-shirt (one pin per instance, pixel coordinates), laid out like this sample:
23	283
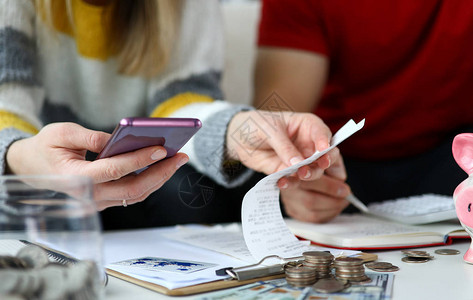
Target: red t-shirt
406	66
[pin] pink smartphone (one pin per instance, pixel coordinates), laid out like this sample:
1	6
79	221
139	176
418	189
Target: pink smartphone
136	133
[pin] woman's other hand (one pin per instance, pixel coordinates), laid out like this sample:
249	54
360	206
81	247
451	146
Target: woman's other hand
60	148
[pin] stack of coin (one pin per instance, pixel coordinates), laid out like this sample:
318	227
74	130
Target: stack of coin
350	269
30	275
300	276
382	266
320	261
416	256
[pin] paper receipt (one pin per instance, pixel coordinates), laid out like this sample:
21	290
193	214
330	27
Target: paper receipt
264	229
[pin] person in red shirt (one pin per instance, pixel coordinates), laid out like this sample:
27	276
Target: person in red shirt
403	65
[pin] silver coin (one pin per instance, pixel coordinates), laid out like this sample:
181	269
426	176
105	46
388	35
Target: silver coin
420	255
34	256
329	285
414	251
349	276
13	297
364	281
409	259
317	254
348	267
77	276
9	280
447	251
379	265
352	261
316	263
29	284
301	280
299	270
392	269
54	281
362	278
350	272
302	277
12	262
293	264
301	283
341	271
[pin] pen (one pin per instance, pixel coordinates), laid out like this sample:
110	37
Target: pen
357	203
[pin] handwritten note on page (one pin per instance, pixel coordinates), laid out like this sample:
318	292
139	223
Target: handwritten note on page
264	229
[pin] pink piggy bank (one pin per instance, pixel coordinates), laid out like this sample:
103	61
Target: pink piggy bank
463	196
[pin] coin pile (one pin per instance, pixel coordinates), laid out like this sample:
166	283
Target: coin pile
320	261
416	256
300	276
350	269
31	275
382	266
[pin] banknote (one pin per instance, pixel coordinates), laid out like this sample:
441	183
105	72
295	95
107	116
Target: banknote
380	288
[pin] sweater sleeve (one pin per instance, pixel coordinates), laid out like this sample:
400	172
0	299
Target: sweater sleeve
190	87
20	92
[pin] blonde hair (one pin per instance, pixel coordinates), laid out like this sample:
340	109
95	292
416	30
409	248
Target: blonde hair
142	32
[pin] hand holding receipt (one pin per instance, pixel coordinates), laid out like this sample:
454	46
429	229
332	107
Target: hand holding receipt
263	226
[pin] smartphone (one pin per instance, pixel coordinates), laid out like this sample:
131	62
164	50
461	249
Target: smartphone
136	133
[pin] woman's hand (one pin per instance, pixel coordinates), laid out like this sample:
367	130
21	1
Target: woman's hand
271	141
60	148
319	200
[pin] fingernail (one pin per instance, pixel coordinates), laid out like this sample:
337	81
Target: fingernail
338	172
321	146
182	162
307	175
317	173
341	192
295	160
285	186
158	154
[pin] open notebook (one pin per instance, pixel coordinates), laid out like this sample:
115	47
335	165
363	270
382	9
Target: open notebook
421	209
362	231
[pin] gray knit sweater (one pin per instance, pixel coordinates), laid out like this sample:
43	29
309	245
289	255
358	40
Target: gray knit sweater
50	75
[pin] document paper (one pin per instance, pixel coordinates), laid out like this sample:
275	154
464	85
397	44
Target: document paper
229	240
264	229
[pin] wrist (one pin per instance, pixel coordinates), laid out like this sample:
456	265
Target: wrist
11	158
231	142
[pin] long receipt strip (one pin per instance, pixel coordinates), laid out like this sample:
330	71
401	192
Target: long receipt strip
263	226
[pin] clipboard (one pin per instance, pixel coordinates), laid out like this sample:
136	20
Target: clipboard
189	290
209	286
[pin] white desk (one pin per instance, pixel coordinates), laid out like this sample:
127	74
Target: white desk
445	277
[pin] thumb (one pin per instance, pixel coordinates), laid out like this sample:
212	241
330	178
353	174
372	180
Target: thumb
337	169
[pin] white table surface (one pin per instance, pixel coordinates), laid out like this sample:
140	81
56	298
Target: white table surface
445	277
